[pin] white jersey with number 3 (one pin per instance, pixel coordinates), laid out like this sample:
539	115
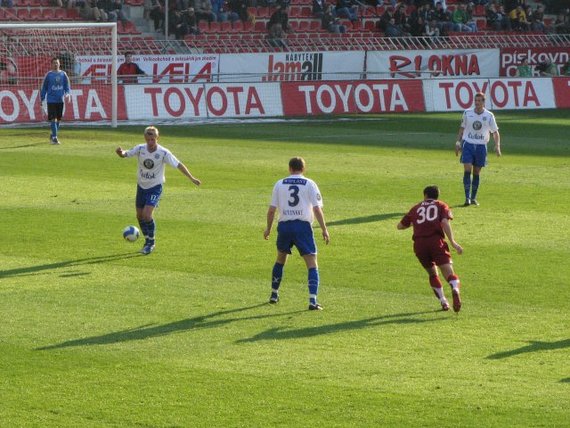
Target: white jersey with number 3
151	165
477	128
294	197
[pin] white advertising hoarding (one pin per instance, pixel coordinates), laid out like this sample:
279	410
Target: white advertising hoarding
432	64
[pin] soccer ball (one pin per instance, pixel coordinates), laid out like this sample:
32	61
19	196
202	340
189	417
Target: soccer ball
131	233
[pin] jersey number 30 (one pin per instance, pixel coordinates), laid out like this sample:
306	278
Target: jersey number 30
427	214
294	201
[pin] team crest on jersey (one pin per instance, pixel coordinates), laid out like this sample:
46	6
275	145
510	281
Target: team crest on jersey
477	125
148	163
58	79
319	197
157	156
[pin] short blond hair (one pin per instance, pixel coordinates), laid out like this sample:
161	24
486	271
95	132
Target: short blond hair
151	130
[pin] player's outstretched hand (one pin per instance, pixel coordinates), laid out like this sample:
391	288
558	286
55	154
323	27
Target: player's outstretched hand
67	97
326	236
457	148
266	234
196	181
457	247
119	151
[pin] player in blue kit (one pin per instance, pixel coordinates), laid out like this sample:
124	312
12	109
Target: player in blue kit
55	89
297	200
152	158
477	125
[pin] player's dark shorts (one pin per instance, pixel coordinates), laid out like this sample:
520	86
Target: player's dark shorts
298	233
55	111
148	196
432	251
475	154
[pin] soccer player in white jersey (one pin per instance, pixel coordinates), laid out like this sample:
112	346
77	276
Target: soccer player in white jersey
297	200
152	158
477	125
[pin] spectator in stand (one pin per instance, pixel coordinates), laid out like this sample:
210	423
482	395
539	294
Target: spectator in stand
330	22
6	3
524	70
518	19
90	12
129	71
496	19
417	27
401	18
385	19
277	27
547	69
189	17
537	20
157	14
443	18
470	10
459	19
222	12
239	7
393	30
562	23
177	24
441	2
319	9
345	9
203	11
432	32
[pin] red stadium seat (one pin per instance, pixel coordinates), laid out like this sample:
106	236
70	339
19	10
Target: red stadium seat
225	27
23	14
315	26
48	14
35	14
203	26
262	12
260	26
60	14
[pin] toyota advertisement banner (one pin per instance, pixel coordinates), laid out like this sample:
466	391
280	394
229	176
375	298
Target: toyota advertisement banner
202	101
318	98
456	95
291	66
432	64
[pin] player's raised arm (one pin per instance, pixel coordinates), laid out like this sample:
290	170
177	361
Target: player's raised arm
120	152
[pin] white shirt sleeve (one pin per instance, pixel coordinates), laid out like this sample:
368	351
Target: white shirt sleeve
134	151
170	159
315	195
492	124
275	196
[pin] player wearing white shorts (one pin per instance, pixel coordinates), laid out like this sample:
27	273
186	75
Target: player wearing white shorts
152	158
477	125
297	200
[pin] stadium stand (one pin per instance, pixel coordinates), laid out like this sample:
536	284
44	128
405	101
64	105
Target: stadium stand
306	35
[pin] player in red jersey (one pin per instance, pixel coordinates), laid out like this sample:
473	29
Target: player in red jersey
430	220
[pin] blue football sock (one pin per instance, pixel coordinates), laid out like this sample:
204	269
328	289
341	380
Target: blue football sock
475	186
467	183
53	127
143	227
151	229
313	285
276	276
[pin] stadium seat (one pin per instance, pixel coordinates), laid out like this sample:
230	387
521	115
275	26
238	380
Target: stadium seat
260	26
48	14
295	12
60	14
262	12
315	26
238	26
35	14
23	14
306	12
225	26
203	26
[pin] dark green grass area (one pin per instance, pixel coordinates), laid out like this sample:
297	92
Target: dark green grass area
95	334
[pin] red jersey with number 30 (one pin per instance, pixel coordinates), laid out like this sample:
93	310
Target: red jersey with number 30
426	218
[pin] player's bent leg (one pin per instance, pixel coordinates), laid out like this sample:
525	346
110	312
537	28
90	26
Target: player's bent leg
437	287
455	284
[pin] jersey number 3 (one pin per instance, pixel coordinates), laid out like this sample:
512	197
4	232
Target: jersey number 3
294	201
427	214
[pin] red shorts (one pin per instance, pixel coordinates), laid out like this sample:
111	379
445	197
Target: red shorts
432	251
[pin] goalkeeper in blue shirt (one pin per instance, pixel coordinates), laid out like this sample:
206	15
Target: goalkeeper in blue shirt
55	89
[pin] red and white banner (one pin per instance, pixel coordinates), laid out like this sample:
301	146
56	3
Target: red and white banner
432	63
446	95
512	57
291	66
316	98
164	68
562	91
203	101
87	104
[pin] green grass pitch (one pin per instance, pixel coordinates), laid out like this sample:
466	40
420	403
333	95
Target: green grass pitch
94	335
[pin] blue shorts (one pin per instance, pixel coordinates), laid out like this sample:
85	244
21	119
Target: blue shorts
148	196
298	233
475	154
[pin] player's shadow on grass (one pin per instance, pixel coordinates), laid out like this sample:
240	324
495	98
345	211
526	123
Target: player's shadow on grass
35	270
21	146
365	219
148	331
534	346
279	333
